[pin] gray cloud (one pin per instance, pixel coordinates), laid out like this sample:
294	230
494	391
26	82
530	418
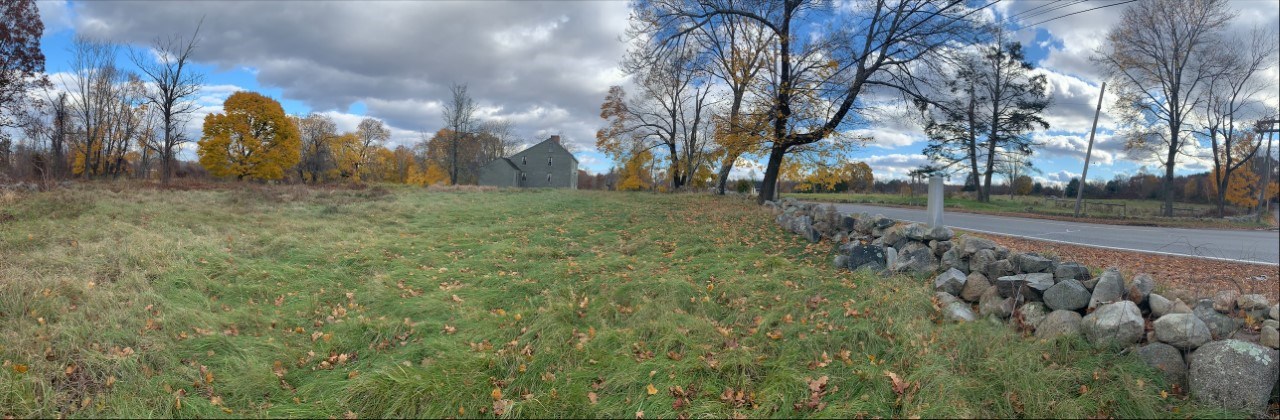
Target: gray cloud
520	59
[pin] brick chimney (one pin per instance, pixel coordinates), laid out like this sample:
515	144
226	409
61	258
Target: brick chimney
556	138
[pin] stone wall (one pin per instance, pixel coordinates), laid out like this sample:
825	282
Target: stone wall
1205	345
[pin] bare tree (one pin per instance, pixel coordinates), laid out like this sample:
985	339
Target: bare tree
317	132
1164	56
21	60
818	79
459	118
93	78
738	49
174	85
1231	102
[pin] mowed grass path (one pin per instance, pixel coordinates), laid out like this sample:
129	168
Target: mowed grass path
295	302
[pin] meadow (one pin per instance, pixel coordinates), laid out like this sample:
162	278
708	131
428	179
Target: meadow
1115	211
120	300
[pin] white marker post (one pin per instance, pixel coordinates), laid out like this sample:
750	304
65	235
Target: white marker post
935	200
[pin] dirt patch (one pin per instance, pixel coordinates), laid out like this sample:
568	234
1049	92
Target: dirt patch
1197	276
6	217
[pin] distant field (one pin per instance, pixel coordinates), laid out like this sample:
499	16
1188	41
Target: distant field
1144	212
117	301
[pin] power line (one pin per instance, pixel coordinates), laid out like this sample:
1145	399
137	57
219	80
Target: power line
1042	12
1024	12
1082	11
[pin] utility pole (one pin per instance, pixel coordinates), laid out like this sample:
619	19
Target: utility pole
1089	151
1264	205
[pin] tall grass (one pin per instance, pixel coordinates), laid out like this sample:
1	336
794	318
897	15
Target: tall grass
295	302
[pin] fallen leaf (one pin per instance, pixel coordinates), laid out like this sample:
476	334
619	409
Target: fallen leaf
650	389
591	396
899	386
496	394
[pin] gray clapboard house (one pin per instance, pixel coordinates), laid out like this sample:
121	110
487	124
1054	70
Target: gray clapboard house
543	165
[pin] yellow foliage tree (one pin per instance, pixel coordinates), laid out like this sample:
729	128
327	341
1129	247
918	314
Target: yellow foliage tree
1241	188
252	138
635	173
860	177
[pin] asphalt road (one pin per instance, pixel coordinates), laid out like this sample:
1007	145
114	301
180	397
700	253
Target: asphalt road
1240	245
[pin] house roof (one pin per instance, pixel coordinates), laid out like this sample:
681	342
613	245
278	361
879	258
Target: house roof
554	143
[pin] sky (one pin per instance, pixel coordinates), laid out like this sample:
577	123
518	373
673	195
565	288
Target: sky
546	66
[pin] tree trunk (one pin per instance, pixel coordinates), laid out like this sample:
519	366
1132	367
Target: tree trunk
1168	170
723	177
769	187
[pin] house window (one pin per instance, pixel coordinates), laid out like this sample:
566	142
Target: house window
522	176
524	160
548	178
548	160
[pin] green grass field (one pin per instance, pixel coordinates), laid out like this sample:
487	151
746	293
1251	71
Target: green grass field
117	301
1142	212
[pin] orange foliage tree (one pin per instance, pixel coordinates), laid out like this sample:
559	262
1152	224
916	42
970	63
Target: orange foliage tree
251	139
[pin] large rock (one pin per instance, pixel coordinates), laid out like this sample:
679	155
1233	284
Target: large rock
1114	324
1024	287
951	259
973	244
810	233
848	223
979	260
1071	270
950	281
841	261
1160	306
1234	374
991	304
1067	295
958	312
999	268
1225	301
1031	263
940	247
1184	331
1140	288
1269	337
974	286
916	260
1110	288
1274	313
870	256
1057	324
940	233
890	257
1167	360
1255	305
1221	326
915	232
1033	313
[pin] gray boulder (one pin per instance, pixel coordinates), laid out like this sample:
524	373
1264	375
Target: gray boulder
958	312
945	298
1221	326
841	261
870	256
1275	311
1140	287
1031	263
848	223
991	304
1071	270
890	257
950	281
940	233
1024	287
951	259
939	247
1253	304
1002	253
1159	305
1033	313
915	232
979	260
1167	360
1115	324
1234	374
1269	337
999	268
1110	288
810	233
974	286
916	259
1180	307
1183	331
1225	301
1067	295
973	244
1057	324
